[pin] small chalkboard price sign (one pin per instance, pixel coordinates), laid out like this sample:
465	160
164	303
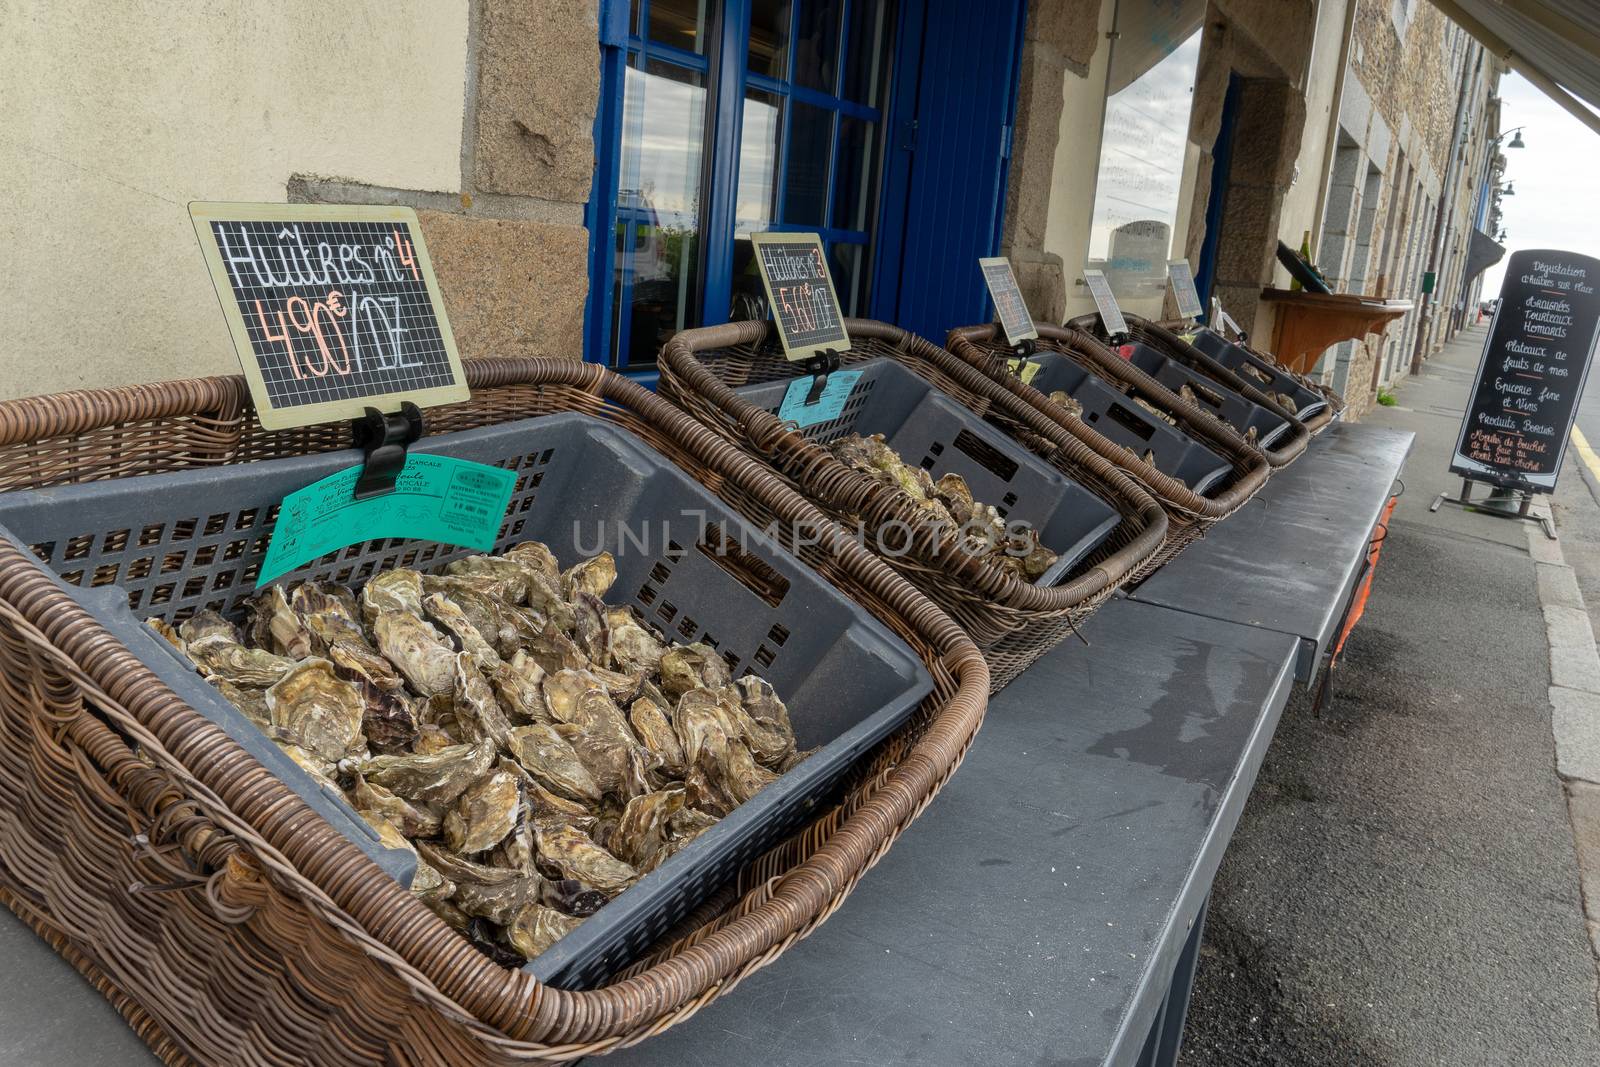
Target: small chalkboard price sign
794	271
1009	307
1532	372
333	308
1183	289
1105	301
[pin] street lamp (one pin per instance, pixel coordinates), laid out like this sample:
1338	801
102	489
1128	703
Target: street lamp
1516	142
1505	189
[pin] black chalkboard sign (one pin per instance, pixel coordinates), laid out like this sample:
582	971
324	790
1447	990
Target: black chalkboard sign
800	292
1009	307
1532	372
332	308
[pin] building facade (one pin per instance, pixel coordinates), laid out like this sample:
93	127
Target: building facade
587	172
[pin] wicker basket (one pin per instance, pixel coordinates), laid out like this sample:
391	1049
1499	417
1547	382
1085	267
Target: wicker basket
1171	345
1189	513
1012	621
1315	423
227	922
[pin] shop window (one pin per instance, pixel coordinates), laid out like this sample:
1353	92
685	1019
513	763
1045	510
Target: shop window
1146	170
734	117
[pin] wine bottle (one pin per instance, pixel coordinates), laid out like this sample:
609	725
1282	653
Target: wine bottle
1305	257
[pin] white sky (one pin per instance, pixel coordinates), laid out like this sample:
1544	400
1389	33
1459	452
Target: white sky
1553	205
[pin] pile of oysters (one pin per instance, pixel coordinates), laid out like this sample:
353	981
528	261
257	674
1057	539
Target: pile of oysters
537	749
970	526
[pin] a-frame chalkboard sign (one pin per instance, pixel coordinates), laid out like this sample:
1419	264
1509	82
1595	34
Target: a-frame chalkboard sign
333	309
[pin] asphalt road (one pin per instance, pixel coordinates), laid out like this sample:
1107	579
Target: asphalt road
1402	889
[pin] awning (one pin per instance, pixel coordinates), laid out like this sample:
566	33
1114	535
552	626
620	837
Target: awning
1555	45
1482	253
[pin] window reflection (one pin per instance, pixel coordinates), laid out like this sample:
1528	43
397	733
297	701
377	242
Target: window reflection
679	23
769	37
1143	153
658	207
758	161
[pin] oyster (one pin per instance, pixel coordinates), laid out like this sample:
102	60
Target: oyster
219	657
396	592
389	718
431	740
589	617
448	614
741	776
389	835
535	555
575	855
1287	402
632	648
319	710
206	623
641	832
252	700
593	576
1066	400
493	893
167	631
520	686
413	820
545	597
477	711
483	815
534	928
508	579
415	649
655	732
276	626
696	666
571	896
555	651
542	752
436	779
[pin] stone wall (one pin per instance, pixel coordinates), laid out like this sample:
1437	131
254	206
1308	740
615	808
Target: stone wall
478	114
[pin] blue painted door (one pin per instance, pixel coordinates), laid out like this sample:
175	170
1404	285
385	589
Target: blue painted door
955	101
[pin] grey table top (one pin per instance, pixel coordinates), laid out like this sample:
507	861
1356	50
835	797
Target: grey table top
1035	912
1289	559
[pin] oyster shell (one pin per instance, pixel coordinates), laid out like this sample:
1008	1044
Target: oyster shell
477	711
319	710
416	650
654	730
545	597
219	657
508	577
632	648
389	835
593	576
535	555
575	855
572	897
641	833
1068	401
206	623
534	928
276	626
493	893
436	779
545	755
249	699
389	718
431	740
520	686
168	632
483	815
396	592
413	820
447	613
696	666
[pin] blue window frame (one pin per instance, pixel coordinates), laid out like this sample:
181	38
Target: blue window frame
718	119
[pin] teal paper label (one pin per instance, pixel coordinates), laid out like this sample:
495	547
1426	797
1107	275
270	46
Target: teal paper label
835	392
436	498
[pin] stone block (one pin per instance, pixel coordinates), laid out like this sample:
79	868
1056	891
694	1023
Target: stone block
538	83
511	287
1033	153
1583	804
1558	585
1070	28
1573	662
1575	722
1042	280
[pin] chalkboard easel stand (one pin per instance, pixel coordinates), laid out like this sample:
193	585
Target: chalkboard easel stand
384	438
1489	506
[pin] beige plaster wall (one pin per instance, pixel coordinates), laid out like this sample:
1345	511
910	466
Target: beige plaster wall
118	115
1300	202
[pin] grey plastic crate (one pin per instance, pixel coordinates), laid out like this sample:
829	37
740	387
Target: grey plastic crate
928	428
166	545
1115	416
1249	366
1238	411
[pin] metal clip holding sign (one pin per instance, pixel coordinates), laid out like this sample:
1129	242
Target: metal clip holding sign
384	439
819	367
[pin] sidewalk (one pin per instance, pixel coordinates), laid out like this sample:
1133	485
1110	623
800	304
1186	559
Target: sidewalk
1403	888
